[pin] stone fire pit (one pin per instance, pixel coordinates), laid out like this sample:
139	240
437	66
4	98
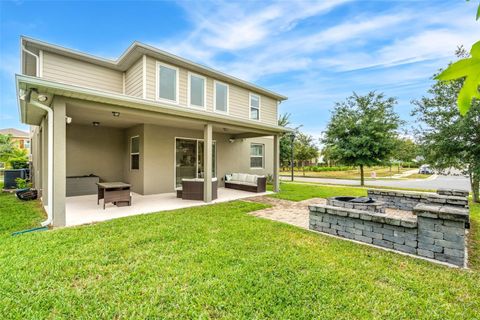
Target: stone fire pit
360	203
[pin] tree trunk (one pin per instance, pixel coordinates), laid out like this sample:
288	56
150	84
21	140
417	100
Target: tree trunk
303	168
475	182
362	178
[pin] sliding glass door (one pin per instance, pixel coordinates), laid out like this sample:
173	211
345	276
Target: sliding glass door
189	159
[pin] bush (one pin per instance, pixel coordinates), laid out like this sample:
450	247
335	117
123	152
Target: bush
19	164
23	183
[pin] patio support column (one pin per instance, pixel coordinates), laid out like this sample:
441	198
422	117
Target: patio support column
59	162
276	163
207	162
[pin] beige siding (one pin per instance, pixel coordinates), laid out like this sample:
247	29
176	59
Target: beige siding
134	79
151	78
238	96
76	72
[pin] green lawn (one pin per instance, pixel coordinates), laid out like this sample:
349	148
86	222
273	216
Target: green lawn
353	174
16	215
219	262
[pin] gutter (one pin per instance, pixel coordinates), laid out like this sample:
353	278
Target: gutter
49	156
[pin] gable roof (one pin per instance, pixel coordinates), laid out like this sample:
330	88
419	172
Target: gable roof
135	51
15	133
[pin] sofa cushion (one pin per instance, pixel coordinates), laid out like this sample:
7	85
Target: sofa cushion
242	177
235	176
251	178
228	177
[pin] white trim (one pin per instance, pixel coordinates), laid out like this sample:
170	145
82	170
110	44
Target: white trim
215	97
262	156
250	94
40	63
144	77
37	63
214	142
189	90
134	153
157	83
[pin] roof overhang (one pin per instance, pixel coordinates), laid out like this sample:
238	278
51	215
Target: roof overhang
135	51
33	116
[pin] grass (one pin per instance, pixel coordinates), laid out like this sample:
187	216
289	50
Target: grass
354	174
16	215
298	191
219	262
418	176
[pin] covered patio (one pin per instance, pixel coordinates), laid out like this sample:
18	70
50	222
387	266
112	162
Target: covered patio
149	146
84	209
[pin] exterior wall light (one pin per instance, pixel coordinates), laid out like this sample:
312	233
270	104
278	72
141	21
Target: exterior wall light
116	114
96	123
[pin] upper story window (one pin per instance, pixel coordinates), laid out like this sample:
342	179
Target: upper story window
167	82
196	88
254	106
221	96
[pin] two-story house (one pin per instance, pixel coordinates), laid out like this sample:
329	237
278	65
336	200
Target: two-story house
148	118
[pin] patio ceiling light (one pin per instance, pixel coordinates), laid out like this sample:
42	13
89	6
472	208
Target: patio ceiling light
42	98
116	114
96	123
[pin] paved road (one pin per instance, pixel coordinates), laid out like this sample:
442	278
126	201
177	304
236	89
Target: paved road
452	182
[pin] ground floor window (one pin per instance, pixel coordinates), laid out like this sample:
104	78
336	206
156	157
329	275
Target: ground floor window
189	160
135	153
256	156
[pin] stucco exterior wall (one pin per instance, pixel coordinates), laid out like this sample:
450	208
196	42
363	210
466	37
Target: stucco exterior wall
159	156
95	150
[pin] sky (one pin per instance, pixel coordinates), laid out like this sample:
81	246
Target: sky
316	53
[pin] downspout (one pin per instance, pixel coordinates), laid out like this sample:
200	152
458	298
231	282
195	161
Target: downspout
49	157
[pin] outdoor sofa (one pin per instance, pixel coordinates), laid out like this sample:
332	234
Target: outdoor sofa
246	182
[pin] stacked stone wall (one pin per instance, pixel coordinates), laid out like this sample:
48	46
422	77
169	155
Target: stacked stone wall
436	231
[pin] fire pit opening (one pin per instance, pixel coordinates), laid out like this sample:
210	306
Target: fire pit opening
360	203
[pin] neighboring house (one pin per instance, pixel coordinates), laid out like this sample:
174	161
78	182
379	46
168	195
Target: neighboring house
20	138
141	119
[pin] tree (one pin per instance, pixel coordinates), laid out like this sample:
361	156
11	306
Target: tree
362	130
285	140
10	154
305	149
405	151
449	139
6	147
467	69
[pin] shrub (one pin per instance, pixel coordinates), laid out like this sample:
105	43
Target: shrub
23	183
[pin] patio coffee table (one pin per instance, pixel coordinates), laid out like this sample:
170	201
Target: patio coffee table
117	193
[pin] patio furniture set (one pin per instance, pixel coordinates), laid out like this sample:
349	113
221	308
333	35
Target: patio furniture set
119	193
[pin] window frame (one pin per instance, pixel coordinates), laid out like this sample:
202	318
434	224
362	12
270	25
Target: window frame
251	107
262	156
189	91
134	153
215	82
197	140
157	85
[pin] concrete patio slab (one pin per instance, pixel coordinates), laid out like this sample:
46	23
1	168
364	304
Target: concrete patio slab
84	209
